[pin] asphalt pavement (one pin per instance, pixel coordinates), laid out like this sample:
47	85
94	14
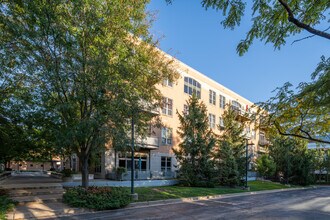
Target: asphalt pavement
296	204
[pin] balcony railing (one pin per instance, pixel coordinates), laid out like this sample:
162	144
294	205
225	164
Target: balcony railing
147	107
263	142
148	142
242	115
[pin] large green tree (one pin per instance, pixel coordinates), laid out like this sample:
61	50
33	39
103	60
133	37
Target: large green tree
226	165
88	64
231	162
292	158
194	152
303	113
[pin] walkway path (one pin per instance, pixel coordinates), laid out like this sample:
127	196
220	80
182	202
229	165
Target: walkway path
38	196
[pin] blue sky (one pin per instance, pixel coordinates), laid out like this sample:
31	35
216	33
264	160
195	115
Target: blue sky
194	36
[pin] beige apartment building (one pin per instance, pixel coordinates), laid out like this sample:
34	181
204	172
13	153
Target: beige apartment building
155	158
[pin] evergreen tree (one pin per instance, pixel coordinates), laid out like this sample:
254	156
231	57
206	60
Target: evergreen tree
293	161
194	152
231	146
227	170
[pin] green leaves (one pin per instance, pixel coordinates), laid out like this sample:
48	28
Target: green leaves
273	21
266	166
292	158
87	64
303	113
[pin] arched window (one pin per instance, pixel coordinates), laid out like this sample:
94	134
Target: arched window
236	105
191	86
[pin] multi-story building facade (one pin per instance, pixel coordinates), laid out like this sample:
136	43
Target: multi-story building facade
154	157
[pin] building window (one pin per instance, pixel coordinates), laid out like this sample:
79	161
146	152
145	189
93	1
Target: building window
140	161
212	120
212	97
191	86
166	136
167	106
98	167
221	124
166	164
167	82
236	105
222	102
185	109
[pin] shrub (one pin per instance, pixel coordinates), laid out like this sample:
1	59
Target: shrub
67	172
6	204
99	198
119	172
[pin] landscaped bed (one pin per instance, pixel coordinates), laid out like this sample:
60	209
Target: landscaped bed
6	204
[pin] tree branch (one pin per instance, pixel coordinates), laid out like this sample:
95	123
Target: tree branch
300	136
302	25
304	38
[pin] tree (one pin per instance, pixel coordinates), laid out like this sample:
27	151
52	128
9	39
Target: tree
227	170
292	113
292	159
194	152
266	166
88	64
231	145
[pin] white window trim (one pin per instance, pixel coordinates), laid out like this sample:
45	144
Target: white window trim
212	120
166	110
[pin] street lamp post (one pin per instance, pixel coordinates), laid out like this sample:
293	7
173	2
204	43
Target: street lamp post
134	195
246	163
247	138
132	157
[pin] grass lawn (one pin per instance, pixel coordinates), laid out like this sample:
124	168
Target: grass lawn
175	192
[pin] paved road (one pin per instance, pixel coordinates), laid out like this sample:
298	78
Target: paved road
300	204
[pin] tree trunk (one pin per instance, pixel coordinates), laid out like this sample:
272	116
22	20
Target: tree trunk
84	171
